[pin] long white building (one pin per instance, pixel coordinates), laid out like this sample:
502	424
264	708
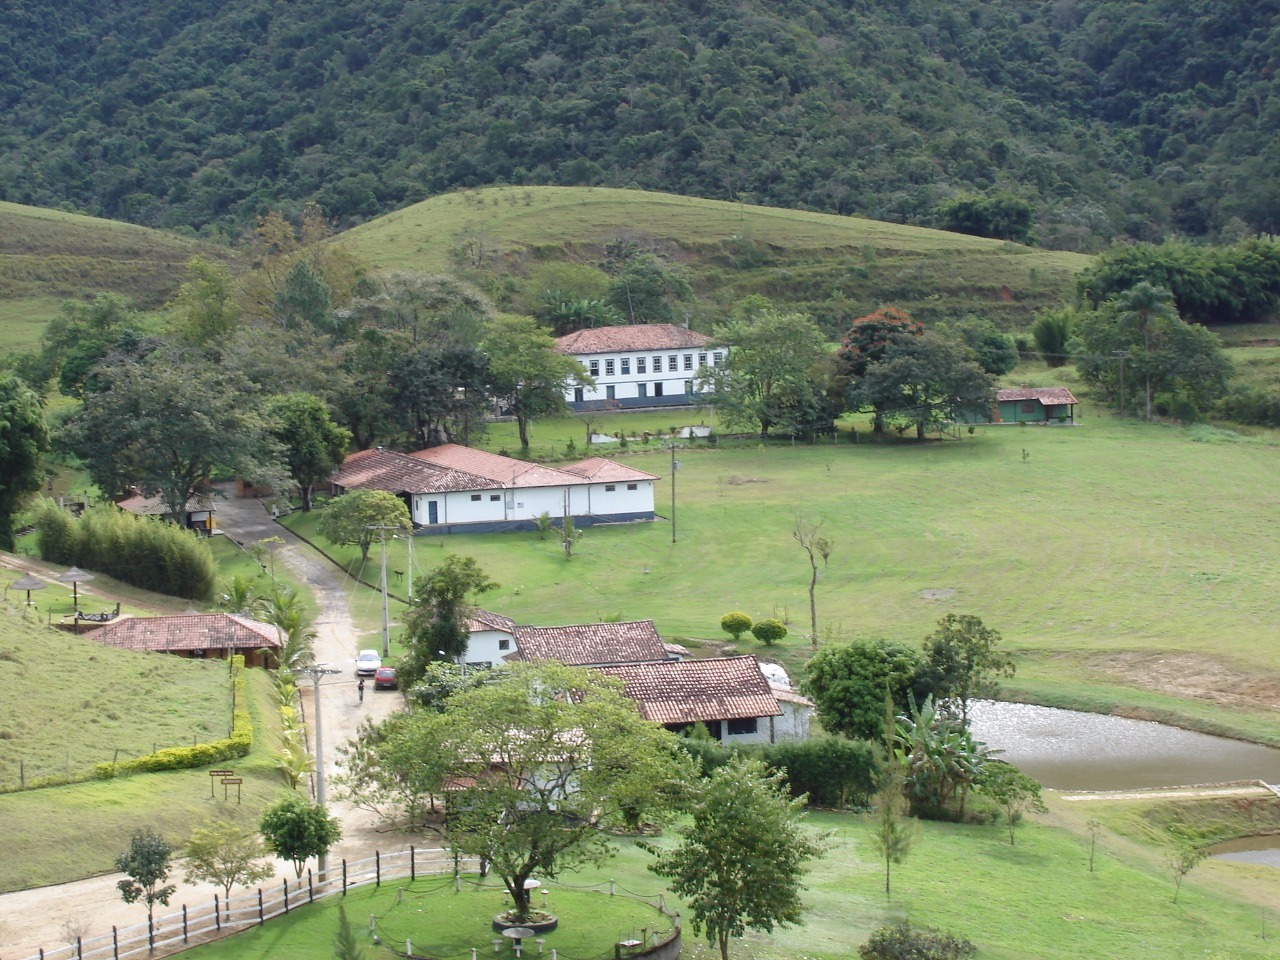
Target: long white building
456	489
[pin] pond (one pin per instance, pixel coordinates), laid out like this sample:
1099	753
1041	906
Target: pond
1071	750
1262	851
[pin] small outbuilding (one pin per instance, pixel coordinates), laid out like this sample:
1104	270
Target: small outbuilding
198	635
199	511
1028	405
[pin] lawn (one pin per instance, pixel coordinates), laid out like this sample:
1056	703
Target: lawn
1095	550
62	833
1035	899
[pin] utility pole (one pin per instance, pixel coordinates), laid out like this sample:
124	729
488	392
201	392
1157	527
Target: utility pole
675	465
315	672
386	624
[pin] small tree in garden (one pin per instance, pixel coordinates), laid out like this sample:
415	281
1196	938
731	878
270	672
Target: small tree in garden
741	861
345	946
224	853
1013	792
146	865
1180	859
903	941
768	631
736	624
893	833
296	830
962	662
350	519
942	760
808	534
1095	828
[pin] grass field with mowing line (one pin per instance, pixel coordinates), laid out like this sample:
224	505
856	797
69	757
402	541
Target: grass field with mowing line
1094	550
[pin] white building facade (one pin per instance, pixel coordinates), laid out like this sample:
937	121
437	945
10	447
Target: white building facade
639	365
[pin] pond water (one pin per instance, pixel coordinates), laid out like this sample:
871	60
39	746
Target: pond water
1071	750
1263	851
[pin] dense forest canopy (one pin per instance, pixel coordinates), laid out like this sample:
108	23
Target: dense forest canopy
1130	118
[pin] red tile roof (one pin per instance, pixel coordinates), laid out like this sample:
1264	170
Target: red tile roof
399	473
631	337
488	620
155	506
587	644
501	471
687	691
205	631
1049	396
600	470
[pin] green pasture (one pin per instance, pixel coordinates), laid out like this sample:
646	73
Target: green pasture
1091	548
64	833
1036	899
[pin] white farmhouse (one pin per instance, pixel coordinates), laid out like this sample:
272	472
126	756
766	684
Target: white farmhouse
456	489
638	365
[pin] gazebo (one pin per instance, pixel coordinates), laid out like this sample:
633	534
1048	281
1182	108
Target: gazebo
74	576
28	583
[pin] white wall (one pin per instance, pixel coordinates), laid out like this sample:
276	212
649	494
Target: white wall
529	503
620	499
485	646
627	384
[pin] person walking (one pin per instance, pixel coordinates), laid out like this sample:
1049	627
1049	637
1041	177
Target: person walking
360	689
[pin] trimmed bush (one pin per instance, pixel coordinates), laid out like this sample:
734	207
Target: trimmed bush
833	771
902	941
142	551
182	758
769	631
735	624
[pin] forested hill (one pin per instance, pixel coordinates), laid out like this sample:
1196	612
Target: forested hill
1135	118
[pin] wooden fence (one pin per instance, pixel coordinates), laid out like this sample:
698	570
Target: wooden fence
176	931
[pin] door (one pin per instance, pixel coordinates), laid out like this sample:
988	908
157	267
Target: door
643	389
433	511
657	389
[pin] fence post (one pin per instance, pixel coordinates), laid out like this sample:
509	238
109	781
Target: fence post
377	868
217	912
261	919
184	923
344	876
412	866
311	890
151	932
79	949
286	895
115	942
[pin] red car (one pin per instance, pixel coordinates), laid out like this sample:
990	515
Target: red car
384	678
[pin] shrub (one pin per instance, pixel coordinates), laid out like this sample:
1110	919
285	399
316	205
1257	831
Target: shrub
902	941
736	624
769	631
142	551
833	771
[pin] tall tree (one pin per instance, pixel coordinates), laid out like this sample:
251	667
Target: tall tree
767	379
22	440
923	380
353	519
146	868
542	760
166	424
741	861
205	309
866	342
962	662
313	444
442	393
528	376
893	833
296	830
436	627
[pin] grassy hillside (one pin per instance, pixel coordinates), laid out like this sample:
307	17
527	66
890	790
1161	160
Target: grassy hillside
829	265
47	256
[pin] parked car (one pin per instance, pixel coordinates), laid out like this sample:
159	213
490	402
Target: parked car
367	663
385	678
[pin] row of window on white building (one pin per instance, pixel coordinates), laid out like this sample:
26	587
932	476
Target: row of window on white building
623	366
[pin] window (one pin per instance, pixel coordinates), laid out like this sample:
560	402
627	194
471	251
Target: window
1029	407
673	363
640	365
495	497
657	364
633	486
475	496
595	368
702	359
626	366
718	356
742	726
504	643
608	368
688	361
609	488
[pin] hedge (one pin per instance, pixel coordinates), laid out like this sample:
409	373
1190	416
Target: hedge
834	771
181	758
